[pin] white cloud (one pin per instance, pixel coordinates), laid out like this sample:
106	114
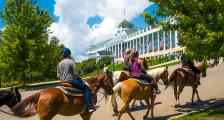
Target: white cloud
72	28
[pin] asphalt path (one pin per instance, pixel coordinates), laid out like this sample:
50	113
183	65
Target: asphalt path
211	92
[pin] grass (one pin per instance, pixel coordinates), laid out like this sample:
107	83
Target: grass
215	113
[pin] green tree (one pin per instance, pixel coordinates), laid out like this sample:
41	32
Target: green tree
25	37
200	24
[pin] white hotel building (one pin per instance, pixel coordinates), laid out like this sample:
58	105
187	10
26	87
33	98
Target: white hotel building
150	42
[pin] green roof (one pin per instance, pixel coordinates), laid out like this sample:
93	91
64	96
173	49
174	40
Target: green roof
125	24
130	31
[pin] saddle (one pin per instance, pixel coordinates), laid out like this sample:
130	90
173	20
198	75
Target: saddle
141	81
189	70
192	75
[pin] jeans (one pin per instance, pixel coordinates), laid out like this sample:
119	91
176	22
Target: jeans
149	79
87	91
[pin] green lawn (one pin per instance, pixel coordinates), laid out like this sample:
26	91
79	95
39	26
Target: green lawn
216	113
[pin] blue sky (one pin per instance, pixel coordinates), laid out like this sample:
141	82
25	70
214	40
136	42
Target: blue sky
49	6
74	20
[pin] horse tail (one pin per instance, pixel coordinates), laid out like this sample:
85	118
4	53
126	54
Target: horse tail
116	89
172	78
21	110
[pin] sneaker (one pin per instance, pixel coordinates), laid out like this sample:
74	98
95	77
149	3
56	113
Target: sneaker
156	92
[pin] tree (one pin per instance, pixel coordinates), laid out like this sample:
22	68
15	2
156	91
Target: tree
200	24
25	37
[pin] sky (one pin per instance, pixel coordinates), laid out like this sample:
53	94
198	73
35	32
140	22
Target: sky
80	23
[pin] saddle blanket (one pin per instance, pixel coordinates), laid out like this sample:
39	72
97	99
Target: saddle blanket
71	91
142	81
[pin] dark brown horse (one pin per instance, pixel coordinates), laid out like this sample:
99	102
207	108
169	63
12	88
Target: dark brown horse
181	77
10	98
52	101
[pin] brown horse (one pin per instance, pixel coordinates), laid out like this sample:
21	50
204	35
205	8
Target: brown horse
133	90
52	101
156	74
181	77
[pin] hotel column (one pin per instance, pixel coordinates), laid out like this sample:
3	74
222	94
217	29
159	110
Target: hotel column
116	50
158	41
176	35
118	53
122	49
136	44
170	39
164	40
152	42
143	45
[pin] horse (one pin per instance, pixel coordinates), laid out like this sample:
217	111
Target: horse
156	74
10	98
52	101
131	89
181	77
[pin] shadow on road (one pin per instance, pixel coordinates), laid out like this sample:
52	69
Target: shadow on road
188	107
137	108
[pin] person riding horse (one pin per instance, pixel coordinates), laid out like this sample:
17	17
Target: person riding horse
67	72
187	62
139	72
127	66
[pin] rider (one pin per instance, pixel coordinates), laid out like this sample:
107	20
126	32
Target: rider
105	68
186	61
127	66
67	72
139	72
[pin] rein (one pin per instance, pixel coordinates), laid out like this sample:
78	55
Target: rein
7	112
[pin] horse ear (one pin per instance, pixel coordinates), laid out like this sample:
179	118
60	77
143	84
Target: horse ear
11	88
166	67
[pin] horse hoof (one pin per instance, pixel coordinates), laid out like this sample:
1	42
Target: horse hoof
193	104
145	117
115	111
115	114
199	100
176	106
142	105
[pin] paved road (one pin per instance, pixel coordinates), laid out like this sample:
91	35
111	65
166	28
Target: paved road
211	92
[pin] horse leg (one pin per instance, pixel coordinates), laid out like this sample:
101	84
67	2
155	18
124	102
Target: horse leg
129	113
115	106
133	104
199	100
175	92
141	103
124	107
86	115
178	95
193	93
152	105
147	113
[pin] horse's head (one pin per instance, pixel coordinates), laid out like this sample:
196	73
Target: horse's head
106	82
202	68
164	75
14	97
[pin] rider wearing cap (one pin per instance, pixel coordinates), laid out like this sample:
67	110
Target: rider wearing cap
67	72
